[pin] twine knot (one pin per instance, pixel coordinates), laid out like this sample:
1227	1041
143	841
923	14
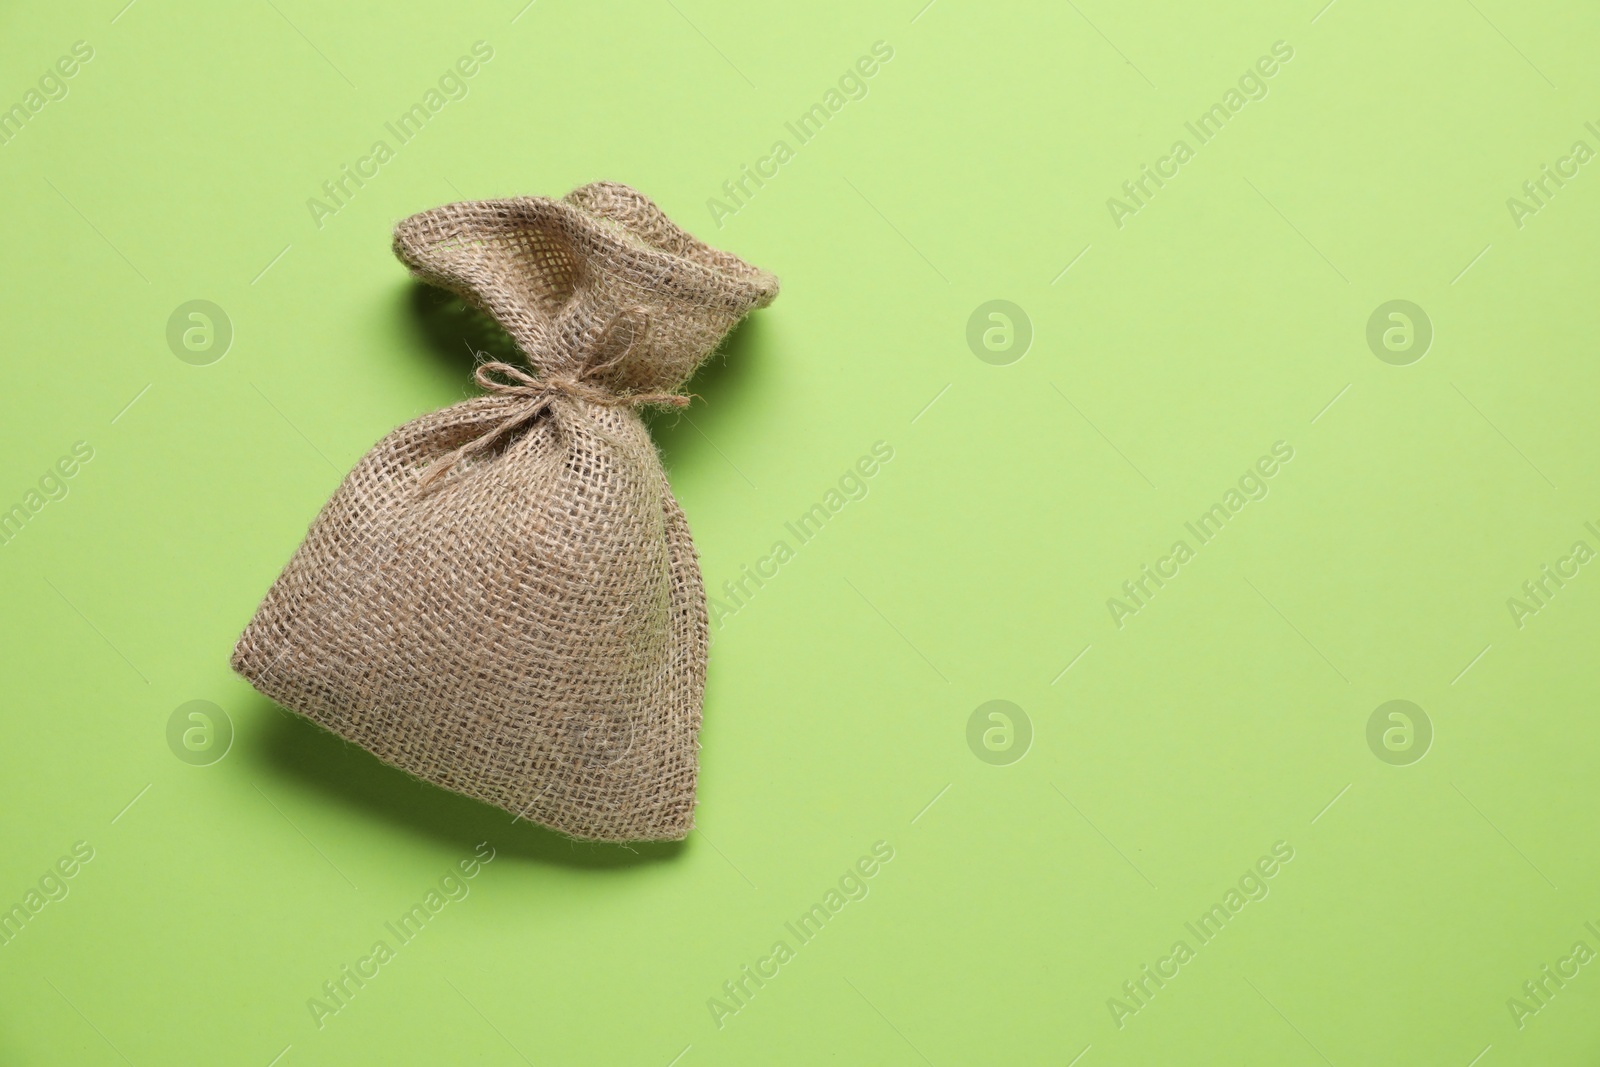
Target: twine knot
503	379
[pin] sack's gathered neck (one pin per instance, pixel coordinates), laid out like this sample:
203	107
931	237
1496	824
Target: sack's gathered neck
505	380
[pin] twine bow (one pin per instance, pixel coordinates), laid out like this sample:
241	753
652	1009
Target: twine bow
502	379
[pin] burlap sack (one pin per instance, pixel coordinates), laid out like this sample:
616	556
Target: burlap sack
502	597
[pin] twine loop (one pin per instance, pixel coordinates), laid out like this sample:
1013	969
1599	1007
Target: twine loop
536	395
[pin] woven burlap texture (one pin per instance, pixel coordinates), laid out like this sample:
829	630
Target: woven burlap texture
502	598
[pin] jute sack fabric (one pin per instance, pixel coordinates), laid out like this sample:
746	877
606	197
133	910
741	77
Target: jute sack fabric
502	598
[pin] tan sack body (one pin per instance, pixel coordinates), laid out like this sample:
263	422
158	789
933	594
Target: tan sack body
502	598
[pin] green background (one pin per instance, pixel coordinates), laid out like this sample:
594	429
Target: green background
1229	714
